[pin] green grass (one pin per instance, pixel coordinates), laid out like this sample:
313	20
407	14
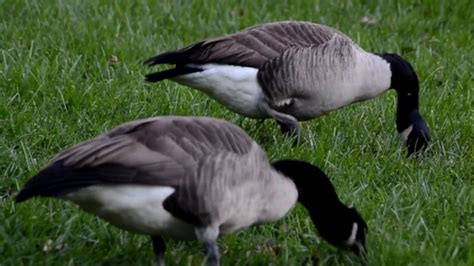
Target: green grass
57	88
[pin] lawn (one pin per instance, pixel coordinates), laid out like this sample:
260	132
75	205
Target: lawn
71	70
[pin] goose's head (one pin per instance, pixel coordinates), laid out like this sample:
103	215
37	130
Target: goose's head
416	135
338	224
410	124
344	227
356	240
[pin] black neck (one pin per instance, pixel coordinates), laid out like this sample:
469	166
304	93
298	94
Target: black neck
333	220
405	82
315	190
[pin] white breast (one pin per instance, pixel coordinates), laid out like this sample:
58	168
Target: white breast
269	203
235	87
136	208
369	78
337	85
374	75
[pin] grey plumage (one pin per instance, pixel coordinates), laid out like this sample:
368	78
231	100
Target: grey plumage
301	70
295	71
198	160
251	47
191	178
186	153
302	74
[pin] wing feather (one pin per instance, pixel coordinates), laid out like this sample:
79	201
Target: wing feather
251	47
159	151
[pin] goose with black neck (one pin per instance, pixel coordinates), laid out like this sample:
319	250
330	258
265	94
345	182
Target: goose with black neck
294	71
191	178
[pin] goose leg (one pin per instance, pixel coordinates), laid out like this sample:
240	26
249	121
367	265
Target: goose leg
289	127
288	124
288	130
212	254
208	236
159	247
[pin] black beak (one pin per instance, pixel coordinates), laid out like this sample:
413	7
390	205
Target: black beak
418	138
358	248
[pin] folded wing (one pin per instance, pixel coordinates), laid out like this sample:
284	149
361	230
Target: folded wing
300	73
159	151
251	47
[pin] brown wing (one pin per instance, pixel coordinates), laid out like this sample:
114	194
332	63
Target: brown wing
156	151
251	47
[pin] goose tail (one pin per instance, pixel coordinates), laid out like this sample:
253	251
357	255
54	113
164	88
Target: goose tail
171	73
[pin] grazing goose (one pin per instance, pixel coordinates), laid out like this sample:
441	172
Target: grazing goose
292	71
191	178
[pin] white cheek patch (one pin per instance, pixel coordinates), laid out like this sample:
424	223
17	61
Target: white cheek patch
404	134
352	238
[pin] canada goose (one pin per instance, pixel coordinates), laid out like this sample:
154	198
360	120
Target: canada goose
191	178
292	71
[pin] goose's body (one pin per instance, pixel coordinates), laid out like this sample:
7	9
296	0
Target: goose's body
305	89
140	208
289	71
184	178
